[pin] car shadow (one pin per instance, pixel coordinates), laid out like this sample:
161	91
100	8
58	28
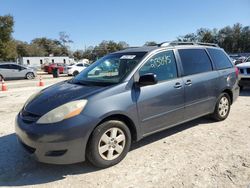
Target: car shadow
19	169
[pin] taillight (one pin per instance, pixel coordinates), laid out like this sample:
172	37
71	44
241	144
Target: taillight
237	71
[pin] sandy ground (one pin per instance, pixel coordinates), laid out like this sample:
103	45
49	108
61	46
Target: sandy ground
200	153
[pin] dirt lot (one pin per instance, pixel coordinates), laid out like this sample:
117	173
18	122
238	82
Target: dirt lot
196	154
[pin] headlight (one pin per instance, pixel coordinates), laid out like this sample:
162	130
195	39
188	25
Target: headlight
65	111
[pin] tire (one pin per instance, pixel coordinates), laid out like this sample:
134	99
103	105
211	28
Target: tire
75	73
104	152
30	76
1	77
222	107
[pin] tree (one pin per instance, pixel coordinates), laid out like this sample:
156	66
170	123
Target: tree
64	41
235	39
7	45
191	37
78	54
150	43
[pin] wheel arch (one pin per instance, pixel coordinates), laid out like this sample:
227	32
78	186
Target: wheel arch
120	117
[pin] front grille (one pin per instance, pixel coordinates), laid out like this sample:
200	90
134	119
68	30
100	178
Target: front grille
248	70
28	117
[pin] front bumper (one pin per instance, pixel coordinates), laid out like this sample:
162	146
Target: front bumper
58	143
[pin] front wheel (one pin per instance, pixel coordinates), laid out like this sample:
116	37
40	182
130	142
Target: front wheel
222	107
109	144
30	76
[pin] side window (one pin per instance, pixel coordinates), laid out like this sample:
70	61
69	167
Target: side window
79	65
163	65
16	67
195	61
219	58
4	67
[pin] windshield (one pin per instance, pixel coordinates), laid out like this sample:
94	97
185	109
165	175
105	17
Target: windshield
109	70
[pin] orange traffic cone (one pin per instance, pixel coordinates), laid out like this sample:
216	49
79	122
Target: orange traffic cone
4	87
41	82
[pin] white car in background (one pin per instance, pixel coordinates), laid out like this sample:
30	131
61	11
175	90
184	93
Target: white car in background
244	73
75	69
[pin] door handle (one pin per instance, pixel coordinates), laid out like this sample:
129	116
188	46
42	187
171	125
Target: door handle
188	83
177	85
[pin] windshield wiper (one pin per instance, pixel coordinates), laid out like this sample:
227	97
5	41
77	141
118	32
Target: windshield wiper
78	82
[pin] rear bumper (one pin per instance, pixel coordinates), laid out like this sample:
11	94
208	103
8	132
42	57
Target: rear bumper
59	143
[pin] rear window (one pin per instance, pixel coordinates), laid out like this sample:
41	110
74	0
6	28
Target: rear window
219	58
195	61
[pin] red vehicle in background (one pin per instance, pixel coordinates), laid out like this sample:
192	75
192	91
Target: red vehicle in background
49	68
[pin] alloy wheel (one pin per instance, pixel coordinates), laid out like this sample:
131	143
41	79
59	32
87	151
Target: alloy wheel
112	144
223	106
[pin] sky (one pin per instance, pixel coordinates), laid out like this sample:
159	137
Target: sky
88	22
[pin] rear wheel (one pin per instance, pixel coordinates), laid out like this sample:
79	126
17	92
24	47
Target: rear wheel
1	77
30	75
222	107
109	144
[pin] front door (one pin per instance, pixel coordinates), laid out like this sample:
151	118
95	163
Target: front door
160	105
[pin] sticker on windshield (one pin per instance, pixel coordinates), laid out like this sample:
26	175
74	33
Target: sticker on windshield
128	57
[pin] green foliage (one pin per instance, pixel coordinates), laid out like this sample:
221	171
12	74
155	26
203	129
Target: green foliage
105	47
150	43
7	45
234	39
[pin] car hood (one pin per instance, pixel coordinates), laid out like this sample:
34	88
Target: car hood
242	65
59	94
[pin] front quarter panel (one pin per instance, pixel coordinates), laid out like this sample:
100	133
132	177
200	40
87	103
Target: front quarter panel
118	100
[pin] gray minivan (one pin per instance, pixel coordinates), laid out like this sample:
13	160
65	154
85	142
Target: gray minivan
124	97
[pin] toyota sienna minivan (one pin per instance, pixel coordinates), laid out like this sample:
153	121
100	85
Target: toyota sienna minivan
97	114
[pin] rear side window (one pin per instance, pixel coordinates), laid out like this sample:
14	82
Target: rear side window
219	58
163	65
195	61
4	67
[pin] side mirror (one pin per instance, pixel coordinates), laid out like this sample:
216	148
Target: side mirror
147	79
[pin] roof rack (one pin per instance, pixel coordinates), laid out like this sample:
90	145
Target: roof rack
176	43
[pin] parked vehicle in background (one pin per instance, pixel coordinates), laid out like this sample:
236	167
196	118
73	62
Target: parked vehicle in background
244	73
75	69
247	59
240	60
234	57
49	68
100	112
13	70
237	59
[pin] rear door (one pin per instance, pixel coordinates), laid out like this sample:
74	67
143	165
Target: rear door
17	71
200	80
160	105
5	70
